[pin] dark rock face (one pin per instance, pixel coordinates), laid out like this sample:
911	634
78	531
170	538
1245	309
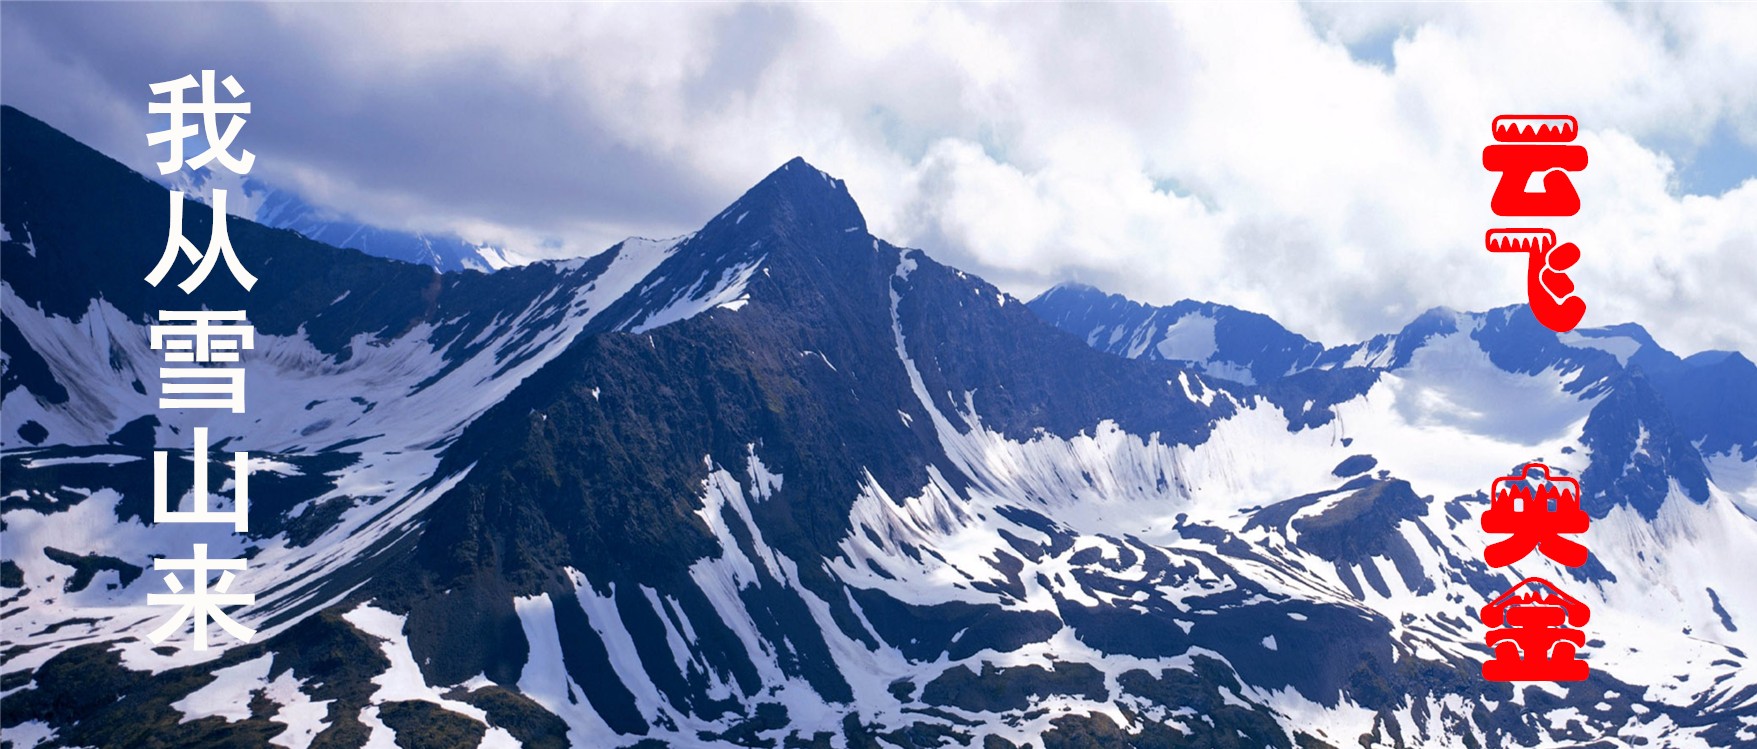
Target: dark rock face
1709	399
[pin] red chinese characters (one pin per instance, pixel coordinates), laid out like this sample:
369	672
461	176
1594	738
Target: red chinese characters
1530	642
1536	635
1529	145
1536	509
1548	288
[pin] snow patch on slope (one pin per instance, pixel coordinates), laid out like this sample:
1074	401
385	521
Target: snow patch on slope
1191	338
545	678
726	291
1621	347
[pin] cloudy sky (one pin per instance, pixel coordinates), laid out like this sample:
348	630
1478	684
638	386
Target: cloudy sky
1319	163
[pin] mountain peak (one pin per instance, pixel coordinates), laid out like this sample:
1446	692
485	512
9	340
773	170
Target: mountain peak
1074	287
797	212
797	161
799	196
1440	314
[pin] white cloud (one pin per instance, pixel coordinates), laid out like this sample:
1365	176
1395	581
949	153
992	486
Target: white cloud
1237	154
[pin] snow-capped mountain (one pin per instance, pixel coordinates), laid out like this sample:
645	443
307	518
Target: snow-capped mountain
1710	397
782	483
251	198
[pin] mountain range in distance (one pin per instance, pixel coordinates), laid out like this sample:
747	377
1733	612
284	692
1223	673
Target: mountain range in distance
253	199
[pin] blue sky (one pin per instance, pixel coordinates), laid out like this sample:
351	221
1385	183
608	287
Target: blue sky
1714	165
1706	165
1319	163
